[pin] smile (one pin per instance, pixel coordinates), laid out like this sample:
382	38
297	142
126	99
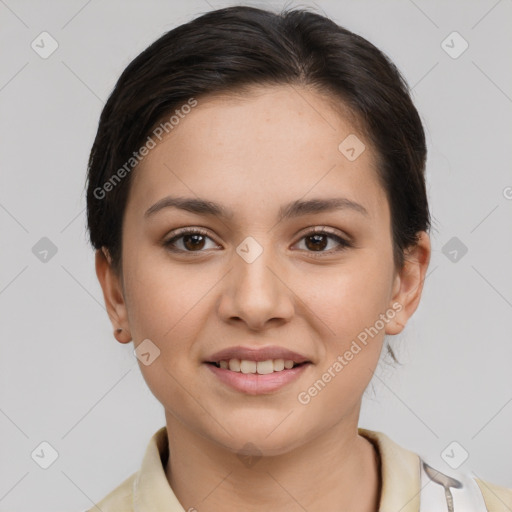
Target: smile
259	367
257	378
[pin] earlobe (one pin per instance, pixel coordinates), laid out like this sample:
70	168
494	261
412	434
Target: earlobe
408	284
122	336
113	295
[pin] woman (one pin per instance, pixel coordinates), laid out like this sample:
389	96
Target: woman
257	202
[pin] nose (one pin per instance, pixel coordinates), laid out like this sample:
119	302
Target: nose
256	293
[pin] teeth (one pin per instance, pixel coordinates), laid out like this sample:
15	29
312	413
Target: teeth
247	366
264	367
279	365
234	365
260	367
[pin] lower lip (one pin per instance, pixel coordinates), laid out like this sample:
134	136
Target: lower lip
255	384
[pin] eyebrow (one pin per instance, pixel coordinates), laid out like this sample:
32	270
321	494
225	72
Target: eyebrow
291	210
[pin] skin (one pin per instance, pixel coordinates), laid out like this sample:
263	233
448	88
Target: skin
252	155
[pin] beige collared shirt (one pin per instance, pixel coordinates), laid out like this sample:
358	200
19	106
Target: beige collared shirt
148	490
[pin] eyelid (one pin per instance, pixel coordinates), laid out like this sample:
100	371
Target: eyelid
190	229
324	229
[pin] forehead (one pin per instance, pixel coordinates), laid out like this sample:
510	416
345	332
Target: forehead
269	142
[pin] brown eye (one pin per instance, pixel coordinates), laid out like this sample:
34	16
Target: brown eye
318	241
191	240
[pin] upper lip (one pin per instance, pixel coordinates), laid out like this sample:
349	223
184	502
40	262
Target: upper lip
257	354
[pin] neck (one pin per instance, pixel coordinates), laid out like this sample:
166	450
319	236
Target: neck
337	470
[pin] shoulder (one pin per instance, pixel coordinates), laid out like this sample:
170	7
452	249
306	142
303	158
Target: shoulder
147	486
497	498
406	473
119	500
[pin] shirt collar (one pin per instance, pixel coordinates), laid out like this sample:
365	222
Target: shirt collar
400	472
151	490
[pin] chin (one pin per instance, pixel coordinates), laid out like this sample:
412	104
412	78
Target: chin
260	446
260	439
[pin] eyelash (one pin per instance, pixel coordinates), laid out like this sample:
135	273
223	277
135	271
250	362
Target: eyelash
343	243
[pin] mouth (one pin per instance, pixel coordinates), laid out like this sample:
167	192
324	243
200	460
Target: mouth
248	366
257	370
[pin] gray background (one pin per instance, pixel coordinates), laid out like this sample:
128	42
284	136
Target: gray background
64	378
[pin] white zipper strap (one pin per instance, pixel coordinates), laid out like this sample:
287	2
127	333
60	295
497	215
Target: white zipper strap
441	492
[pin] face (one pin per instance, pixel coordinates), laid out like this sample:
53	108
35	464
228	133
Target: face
274	265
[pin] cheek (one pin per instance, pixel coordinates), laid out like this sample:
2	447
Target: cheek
351	304
169	308
168	305
162	298
351	296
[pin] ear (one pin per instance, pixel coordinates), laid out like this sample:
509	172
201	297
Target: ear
408	284
113	295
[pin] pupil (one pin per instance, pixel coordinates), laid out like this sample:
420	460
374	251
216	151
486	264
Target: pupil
196	244
316	244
